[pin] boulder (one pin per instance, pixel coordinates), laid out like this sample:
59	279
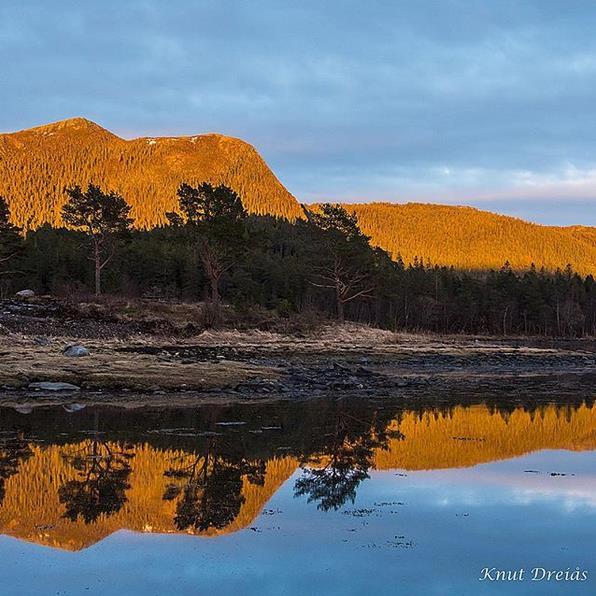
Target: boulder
53	386
75	351
25	294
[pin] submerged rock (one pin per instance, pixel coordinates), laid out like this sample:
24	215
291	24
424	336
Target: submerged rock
76	351
53	386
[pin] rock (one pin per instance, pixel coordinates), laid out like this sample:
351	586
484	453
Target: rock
76	351
25	294
53	386
42	341
24	409
73	407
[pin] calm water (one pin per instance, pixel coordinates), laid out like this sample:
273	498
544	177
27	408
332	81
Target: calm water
321	497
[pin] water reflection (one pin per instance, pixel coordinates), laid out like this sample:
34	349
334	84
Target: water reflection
101	481
330	478
68	480
208	491
13	450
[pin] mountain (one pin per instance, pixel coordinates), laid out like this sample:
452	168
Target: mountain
469	238
36	164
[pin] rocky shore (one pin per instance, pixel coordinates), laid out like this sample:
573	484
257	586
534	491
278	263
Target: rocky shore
135	367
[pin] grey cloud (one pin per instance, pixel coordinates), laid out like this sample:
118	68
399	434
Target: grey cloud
345	99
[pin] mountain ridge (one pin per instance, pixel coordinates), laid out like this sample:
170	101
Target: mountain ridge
471	238
36	164
39	162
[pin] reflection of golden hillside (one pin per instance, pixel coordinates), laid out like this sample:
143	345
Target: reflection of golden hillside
474	435
31	509
465	436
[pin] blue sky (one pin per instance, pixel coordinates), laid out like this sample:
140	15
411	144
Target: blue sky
465	102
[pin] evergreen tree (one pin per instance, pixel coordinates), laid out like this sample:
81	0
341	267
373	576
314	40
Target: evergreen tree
346	256
11	241
102	216
215	221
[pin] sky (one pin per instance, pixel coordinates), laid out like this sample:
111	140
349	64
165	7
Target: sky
491	104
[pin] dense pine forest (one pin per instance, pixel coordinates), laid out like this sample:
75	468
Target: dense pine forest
468	238
212	251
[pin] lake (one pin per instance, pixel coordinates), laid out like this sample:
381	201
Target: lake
320	496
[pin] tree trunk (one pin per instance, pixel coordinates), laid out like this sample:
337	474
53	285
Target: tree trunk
97	256
505	320
215	290
340	307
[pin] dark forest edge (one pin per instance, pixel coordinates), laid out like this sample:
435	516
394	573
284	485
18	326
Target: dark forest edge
323	267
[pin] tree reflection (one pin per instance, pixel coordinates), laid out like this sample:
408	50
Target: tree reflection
13	451
210	488
103	471
332	477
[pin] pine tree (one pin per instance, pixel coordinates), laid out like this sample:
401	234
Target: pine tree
347	258
102	216
11	241
215	220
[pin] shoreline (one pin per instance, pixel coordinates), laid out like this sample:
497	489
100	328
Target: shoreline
335	361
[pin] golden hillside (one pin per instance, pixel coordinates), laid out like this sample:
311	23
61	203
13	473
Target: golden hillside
36	165
468	436
469	238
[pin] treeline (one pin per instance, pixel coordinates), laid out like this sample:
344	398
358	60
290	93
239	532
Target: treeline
213	251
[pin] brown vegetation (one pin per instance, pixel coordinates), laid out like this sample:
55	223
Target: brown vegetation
108	368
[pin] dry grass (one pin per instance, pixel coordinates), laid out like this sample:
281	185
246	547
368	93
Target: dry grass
24	362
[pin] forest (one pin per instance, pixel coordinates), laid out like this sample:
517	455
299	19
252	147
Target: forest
212	251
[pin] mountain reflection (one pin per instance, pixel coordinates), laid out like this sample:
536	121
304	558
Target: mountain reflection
66	481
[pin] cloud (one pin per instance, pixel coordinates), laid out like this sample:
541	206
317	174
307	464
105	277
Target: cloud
429	100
